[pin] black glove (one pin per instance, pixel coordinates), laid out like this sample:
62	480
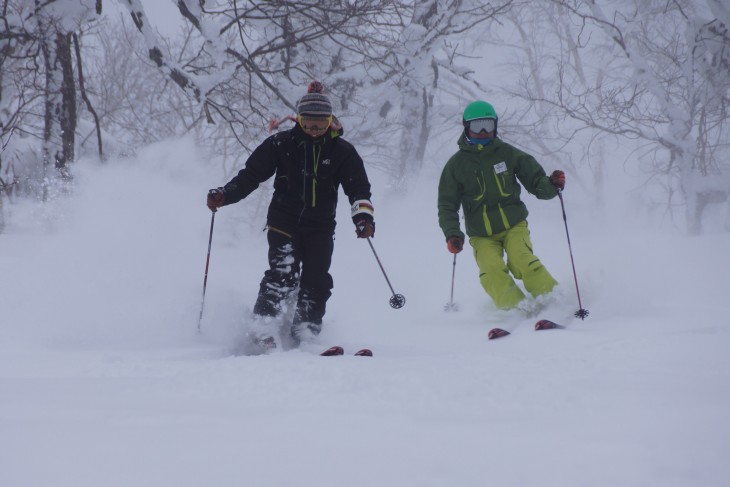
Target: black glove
364	226
557	178
455	244
216	199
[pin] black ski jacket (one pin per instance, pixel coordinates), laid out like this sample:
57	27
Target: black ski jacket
308	173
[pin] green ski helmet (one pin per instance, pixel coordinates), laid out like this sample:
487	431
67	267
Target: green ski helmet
479	109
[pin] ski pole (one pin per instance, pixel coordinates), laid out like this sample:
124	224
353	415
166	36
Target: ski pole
581	313
207	263
396	300
451	306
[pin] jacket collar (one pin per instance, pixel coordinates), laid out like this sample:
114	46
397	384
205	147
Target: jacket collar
300	136
468	147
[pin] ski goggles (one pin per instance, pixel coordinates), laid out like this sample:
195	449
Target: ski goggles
479	125
314	124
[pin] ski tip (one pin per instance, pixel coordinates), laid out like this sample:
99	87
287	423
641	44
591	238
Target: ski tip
547	325
333	351
497	333
365	352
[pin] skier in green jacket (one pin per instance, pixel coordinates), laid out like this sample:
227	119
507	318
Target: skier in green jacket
482	179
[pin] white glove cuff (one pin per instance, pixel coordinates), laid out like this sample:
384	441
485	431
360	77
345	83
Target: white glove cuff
362	207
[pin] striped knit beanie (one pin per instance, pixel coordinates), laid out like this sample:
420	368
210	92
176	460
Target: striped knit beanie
315	103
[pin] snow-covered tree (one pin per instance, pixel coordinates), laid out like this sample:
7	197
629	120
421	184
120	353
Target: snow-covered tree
39	82
547	43
658	76
431	61
383	62
19	96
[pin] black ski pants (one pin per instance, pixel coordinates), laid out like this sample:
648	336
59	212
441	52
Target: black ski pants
299	257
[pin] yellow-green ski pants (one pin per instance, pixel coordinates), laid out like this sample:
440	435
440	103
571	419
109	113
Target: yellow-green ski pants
494	273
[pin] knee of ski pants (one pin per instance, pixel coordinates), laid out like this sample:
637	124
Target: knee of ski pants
494	274
284	257
524	264
518	247
316	258
488	254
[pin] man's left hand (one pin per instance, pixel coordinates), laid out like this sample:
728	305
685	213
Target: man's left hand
365	227
557	179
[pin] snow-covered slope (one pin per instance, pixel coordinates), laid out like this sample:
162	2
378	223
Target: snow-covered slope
104	380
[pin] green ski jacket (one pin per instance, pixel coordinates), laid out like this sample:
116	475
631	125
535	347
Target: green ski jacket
483	181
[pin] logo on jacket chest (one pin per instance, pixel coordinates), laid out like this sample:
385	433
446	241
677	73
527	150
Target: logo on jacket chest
500	167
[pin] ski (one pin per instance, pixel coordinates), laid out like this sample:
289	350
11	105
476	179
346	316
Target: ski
547	325
333	351
495	333
336	351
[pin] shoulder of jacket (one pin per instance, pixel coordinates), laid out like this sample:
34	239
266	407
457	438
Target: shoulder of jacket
454	160
506	146
281	136
338	141
342	149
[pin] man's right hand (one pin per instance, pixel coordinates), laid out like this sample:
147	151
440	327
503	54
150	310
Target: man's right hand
455	244
216	198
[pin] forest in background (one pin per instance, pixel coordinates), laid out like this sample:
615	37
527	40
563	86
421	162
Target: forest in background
635	87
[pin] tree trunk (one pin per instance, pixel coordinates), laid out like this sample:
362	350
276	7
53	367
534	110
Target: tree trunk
60	103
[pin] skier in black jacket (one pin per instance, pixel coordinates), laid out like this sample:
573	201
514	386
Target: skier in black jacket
309	163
